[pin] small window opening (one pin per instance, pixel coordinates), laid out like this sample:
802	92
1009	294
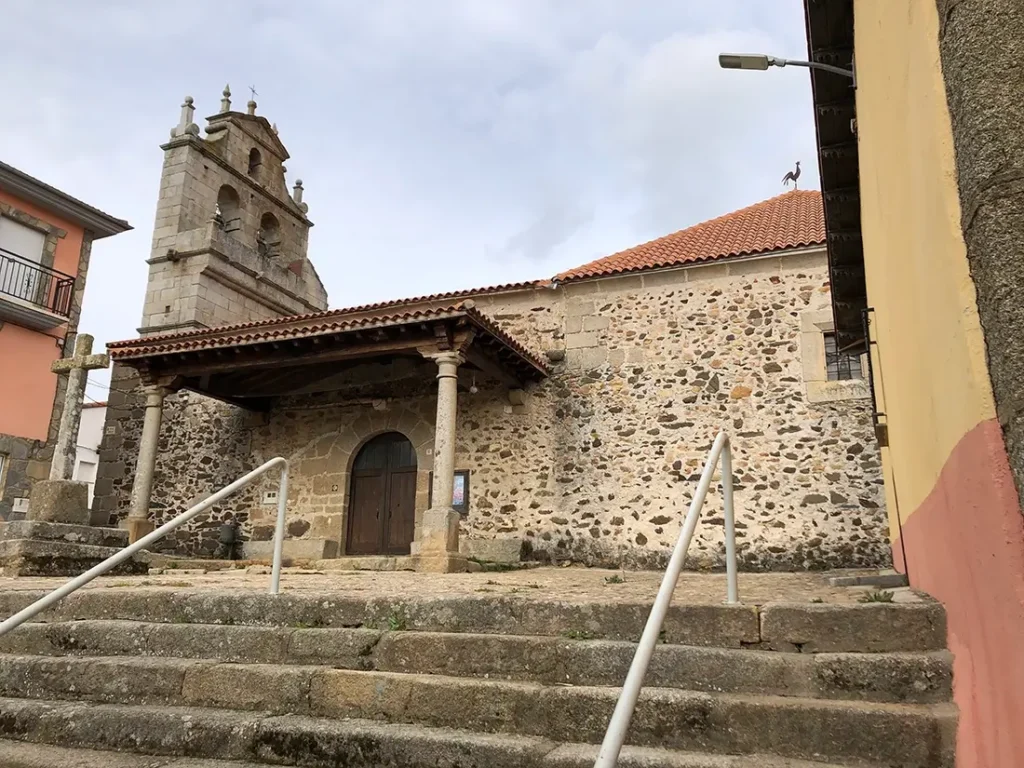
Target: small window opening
840	366
229	208
255	161
268	237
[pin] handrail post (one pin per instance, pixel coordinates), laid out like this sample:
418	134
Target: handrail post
730	525
282	500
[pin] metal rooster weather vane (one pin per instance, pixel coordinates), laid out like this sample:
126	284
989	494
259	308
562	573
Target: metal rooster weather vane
792	176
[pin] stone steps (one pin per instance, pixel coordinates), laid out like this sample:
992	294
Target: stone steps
713	722
41	548
313	678
97	736
809	628
23	754
884	677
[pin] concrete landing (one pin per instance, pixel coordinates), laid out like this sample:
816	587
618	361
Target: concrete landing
573	584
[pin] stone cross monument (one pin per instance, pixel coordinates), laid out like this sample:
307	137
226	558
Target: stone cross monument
77	368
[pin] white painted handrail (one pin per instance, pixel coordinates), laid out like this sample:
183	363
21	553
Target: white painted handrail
616	734
46	601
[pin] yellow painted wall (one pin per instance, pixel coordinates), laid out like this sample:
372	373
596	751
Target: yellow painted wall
930	373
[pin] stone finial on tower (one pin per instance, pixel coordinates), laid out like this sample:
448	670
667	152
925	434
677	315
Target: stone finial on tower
251	107
185	124
225	102
297	191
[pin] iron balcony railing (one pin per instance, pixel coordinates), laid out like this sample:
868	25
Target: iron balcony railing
30	282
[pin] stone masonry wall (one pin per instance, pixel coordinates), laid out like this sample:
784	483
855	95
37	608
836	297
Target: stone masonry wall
203	447
599	464
655	366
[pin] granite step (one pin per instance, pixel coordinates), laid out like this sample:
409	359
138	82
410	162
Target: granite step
23	754
807	628
886	677
912	736
106	736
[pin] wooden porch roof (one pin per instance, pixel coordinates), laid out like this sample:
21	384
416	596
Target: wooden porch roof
238	363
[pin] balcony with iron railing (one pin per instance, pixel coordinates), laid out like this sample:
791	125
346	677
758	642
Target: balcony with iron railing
33	295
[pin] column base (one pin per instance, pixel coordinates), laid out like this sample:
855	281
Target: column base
59	501
446	562
437	549
137	527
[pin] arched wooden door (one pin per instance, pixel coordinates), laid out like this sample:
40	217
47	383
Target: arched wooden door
382	498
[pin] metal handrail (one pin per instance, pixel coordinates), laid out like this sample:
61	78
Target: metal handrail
30	281
615	736
46	601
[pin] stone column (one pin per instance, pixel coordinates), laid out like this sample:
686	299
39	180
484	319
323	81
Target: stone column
438	548
138	523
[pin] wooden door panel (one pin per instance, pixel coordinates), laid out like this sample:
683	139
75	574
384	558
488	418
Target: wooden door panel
401	523
369	493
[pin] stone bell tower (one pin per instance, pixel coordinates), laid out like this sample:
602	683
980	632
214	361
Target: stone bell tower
229	243
229	246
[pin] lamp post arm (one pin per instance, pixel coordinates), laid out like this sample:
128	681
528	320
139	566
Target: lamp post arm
775	61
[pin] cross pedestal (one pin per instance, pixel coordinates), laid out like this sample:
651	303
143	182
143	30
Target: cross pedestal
56	539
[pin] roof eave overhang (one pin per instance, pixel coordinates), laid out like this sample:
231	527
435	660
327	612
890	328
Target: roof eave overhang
367	338
32	190
830	41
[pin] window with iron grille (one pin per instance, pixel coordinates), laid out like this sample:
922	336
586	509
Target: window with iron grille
840	366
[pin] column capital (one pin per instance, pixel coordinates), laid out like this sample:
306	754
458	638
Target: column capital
450	357
155	394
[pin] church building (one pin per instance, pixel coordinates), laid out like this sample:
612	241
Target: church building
564	419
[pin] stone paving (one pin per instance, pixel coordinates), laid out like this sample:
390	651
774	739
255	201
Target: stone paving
572	584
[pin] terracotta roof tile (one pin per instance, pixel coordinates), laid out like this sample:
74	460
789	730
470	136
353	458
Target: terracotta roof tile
791	220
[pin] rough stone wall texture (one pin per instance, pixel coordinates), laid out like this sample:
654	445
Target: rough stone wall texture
15	482
203	447
654	366
599	463
980	50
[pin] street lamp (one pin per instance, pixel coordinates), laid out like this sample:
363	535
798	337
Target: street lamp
763	61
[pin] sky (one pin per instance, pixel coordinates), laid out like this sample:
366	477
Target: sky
442	144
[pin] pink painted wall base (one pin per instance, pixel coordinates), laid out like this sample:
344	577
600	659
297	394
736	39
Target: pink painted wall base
965	547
